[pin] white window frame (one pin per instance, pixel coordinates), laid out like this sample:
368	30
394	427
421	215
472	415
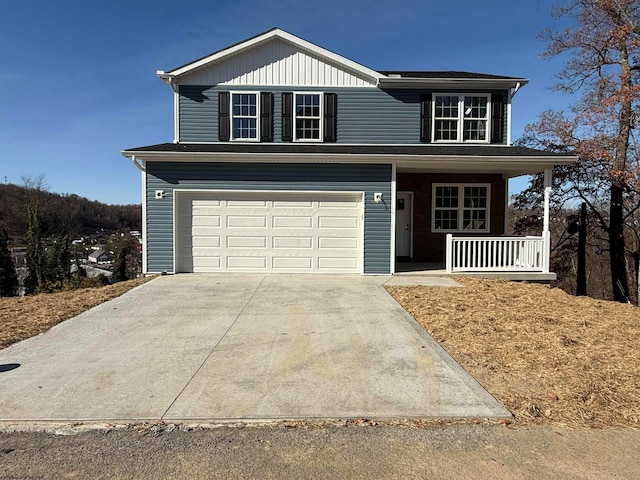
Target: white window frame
461	117
320	118
232	116
461	208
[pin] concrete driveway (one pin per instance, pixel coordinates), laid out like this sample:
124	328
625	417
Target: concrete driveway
239	347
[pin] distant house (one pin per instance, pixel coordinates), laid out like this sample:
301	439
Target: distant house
100	257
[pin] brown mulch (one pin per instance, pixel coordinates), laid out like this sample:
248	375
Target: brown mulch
549	357
24	317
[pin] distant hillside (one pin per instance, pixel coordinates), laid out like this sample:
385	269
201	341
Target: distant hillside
63	213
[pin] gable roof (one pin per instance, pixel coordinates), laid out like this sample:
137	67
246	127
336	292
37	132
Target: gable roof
270	35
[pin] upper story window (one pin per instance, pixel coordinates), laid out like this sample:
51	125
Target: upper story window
460	207
461	118
308	117
245	113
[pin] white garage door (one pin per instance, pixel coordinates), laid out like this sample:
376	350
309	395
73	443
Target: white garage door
269	232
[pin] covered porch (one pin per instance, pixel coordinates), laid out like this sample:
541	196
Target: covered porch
457	223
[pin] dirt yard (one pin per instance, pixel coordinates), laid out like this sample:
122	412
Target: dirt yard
24	317
549	357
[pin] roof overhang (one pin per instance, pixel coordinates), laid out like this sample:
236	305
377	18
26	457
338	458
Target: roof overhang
452	83
507	166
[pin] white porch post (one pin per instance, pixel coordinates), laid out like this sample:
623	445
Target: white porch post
449	254
545	225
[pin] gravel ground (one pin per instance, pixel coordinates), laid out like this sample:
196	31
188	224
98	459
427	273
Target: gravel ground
452	451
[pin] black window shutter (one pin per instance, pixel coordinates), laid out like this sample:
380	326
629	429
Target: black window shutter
330	117
287	117
224	124
266	117
497	118
425	118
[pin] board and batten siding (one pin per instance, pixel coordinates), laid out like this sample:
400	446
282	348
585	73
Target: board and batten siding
365	115
171	176
276	63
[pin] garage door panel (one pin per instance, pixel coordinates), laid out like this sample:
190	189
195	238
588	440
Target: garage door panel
292	242
346	243
286	263
292	222
338	222
341	204
262	232
212	241
206	221
247	203
337	263
247	242
248	263
246	221
292	204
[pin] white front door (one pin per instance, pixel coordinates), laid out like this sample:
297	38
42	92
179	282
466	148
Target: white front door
404	227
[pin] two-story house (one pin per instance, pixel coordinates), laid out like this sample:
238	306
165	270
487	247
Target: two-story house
290	158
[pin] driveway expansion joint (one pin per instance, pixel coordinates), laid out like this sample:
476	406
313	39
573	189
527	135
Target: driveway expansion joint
214	347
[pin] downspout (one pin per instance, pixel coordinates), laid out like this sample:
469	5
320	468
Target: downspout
138	166
515	90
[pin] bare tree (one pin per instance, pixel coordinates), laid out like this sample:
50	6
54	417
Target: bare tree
604	48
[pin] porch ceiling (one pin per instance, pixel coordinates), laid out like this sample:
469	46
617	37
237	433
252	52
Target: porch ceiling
507	167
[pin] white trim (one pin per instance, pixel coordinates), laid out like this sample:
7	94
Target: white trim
507	166
320	138
392	249
460	209
143	175
548	179
356	193
175	229
244	92
275	33
176	117
508	112
460	118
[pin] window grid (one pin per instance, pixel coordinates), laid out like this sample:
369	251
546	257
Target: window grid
461	118
460	207
475	118
308	116
244	116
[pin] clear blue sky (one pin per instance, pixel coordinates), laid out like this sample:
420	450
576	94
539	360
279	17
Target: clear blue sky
78	81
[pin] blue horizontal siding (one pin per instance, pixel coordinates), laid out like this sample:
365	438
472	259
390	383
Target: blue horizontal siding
365	115
170	176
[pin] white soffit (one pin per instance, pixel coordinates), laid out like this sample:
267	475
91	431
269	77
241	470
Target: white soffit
275	58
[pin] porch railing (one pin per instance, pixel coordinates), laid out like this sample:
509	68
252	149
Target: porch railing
498	254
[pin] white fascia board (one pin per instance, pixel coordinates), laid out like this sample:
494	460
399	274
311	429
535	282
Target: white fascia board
276	33
508	166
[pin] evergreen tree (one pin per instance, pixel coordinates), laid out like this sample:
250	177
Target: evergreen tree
8	277
36	278
120	267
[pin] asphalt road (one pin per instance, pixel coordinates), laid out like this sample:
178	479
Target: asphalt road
455	451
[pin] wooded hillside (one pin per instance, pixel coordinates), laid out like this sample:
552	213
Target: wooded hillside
63	213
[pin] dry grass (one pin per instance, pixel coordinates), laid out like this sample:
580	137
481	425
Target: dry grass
24	317
549	357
